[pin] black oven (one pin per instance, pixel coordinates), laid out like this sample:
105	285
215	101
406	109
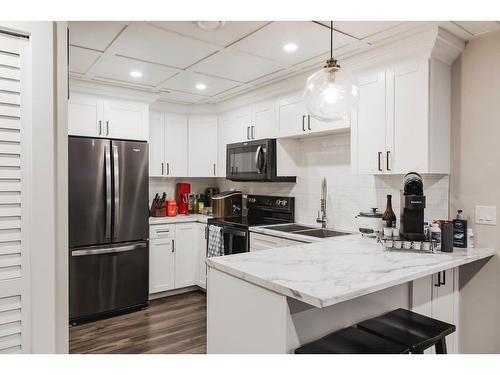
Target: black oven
254	161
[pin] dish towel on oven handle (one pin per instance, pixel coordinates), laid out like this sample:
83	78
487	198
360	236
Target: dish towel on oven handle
215	241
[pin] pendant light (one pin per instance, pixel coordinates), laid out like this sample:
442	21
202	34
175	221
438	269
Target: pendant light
331	92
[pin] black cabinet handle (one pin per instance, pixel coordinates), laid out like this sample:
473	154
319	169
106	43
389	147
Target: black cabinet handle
379	162
309	122
253	131
162	168
388	155
303	123
248	132
439	280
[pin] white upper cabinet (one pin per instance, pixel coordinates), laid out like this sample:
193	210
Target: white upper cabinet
126	119
156	144
292	117
168	145
408	127
368	132
294	121
263	124
85	116
94	116
202	147
176	145
402	122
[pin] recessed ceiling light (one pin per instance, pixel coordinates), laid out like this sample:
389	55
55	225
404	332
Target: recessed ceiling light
210	25
290	47
135	74
201	86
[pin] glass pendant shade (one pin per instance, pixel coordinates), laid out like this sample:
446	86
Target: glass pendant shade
330	94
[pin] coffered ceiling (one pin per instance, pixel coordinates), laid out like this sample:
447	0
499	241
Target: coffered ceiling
207	62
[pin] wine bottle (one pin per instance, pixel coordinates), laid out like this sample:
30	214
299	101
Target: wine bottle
389	217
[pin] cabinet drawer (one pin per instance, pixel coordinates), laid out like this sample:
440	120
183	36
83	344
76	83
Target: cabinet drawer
162	231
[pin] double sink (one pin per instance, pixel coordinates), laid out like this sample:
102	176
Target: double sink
305	230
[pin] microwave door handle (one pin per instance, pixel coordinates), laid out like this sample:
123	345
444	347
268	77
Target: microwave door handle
258	165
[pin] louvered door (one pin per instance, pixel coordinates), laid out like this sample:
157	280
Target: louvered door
13	232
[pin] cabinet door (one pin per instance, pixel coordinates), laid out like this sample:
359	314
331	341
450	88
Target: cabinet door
445	303
201	256
202	146
176	145
156	144
368	133
408	119
161	265
126	120
292	118
240	126
263	121
85	116
185	255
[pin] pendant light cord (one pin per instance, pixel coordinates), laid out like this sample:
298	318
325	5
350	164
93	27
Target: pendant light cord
331	39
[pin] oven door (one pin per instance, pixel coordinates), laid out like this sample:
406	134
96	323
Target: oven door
235	240
248	161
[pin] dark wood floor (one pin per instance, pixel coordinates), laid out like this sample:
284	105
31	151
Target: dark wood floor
172	325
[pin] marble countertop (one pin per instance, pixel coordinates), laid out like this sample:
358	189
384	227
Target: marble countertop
338	269
179	219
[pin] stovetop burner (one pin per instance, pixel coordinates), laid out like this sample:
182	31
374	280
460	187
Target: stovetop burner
262	210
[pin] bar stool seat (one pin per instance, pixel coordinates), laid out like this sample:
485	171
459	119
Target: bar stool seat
352	341
417	332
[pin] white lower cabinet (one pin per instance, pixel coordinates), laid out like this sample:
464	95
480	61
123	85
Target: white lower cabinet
437	296
263	242
201	269
176	255
185	254
161	258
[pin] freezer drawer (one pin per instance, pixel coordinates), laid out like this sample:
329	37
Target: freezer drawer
105	279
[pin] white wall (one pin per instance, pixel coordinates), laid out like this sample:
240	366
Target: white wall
329	156
475	180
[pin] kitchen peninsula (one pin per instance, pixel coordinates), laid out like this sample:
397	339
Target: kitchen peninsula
273	301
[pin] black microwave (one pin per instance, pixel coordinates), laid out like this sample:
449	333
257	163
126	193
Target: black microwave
254	161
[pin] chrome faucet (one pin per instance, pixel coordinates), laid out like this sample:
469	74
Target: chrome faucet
322	216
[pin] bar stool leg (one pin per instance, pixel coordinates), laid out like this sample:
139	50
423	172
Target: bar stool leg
441	346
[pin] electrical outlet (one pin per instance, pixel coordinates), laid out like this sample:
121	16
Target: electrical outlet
486	215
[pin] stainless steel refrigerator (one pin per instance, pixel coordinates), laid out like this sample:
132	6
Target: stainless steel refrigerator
108	226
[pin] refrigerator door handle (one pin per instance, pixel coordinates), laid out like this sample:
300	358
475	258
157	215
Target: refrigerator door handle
107	163
116	169
78	253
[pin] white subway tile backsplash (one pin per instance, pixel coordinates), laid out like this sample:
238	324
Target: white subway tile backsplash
348	194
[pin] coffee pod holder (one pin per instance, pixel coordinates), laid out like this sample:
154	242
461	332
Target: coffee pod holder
399	244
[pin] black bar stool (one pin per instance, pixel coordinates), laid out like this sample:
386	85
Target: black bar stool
352	341
417	332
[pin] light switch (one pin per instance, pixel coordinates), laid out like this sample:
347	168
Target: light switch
486	215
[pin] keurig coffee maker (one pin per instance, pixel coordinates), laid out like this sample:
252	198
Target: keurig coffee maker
412	208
